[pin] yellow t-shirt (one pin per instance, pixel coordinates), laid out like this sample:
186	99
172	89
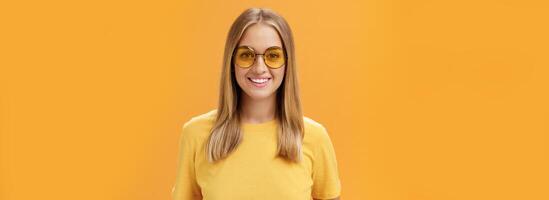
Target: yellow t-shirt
253	171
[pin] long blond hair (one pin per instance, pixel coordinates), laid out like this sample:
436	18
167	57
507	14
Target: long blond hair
226	134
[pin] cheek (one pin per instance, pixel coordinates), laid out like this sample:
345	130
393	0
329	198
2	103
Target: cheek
240	77
279	74
239	73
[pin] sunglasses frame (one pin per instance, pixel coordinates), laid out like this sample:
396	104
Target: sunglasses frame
262	55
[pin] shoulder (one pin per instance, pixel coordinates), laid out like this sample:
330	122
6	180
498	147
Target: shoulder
199	125
201	119
312	124
314	130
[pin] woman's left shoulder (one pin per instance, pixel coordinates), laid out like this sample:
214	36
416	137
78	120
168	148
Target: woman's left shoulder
314	130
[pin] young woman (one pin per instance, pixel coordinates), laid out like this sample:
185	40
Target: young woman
257	144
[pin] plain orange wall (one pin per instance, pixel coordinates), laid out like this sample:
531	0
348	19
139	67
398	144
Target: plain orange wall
423	100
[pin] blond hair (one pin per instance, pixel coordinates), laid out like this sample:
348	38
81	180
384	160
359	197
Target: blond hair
226	134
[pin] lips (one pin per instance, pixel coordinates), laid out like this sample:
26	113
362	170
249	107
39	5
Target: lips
259	82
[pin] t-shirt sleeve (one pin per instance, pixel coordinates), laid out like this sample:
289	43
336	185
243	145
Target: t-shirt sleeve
186	187
326	183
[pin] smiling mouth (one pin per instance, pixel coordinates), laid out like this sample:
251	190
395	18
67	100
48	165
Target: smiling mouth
260	82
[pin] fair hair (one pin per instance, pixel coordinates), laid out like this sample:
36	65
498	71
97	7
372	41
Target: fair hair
225	134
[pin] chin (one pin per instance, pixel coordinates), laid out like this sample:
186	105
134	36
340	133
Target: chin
259	95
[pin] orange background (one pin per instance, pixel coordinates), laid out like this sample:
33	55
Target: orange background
425	100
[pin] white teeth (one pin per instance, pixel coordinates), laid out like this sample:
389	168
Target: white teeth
263	80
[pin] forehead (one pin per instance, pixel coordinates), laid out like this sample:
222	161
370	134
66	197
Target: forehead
260	37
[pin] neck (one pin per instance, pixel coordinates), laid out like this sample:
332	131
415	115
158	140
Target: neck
257	110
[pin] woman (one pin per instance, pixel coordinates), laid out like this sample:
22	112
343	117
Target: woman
257	144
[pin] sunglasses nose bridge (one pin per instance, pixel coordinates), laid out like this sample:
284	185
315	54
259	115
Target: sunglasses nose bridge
259	66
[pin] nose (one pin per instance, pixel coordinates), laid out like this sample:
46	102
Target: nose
259	66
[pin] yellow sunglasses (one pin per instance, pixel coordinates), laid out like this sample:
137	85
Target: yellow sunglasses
245	56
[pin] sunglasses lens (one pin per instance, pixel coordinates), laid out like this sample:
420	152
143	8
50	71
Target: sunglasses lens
274	57
244	57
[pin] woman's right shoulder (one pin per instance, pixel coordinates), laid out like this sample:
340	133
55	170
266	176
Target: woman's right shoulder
199	125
